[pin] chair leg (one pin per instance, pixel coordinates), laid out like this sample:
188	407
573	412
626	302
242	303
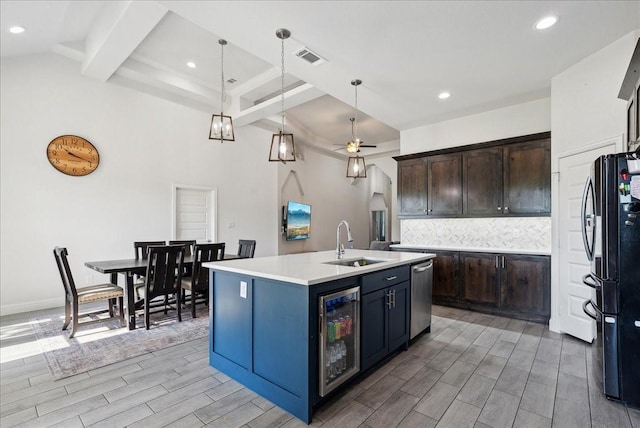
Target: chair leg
74	321
146	315
193	304
112	303
121	310
67	314
179	307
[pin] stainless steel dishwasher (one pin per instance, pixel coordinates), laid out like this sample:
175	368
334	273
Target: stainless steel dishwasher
421	287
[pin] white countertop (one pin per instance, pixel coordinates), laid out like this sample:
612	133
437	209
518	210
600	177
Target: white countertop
311	268
471	249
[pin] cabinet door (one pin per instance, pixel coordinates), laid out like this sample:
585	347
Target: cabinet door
482	182
527	178
444	184
525	284
480	277
412	187
374	339
445	275
399	329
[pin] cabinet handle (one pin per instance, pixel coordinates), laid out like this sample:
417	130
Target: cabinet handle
499	208
502	262
497	262
506	209
430	211
391	278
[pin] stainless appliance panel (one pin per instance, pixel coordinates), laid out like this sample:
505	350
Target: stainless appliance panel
421	297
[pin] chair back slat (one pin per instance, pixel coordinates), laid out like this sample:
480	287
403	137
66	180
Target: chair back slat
60	254
204	253
164	270
189	246
246	247
141	248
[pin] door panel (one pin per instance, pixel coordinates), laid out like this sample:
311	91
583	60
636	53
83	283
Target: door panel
572	259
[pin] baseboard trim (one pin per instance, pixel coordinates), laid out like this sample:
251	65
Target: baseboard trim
31	306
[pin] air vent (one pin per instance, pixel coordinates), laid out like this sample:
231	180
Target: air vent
232	80
310	56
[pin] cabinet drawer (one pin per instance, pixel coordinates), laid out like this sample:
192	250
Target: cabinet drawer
378	280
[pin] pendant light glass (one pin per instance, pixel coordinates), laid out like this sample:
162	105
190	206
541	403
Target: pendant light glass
356	167
282	147
221	125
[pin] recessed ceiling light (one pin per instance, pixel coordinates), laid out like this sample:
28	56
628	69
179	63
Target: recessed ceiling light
546	22
191	64
444	95
16	29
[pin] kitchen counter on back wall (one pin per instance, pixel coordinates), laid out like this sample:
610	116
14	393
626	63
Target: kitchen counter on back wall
411	247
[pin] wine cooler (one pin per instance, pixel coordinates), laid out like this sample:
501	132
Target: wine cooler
339	338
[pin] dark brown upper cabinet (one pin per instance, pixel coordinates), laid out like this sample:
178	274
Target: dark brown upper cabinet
507	177
444	180
482	181
412	187
527	178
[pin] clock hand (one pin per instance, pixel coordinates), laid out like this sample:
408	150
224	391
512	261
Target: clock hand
76	156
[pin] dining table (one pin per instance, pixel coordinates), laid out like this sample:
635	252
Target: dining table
128	268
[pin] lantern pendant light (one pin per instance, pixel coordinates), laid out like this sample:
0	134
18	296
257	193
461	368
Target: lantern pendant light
356	168
221	125
282	147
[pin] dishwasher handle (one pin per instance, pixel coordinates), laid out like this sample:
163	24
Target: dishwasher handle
423	267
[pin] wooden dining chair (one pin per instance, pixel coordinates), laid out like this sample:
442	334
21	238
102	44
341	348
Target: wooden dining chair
163	280
141	251
246	248
76	296
188	252
198	282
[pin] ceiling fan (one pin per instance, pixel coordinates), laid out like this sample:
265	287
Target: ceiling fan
354	145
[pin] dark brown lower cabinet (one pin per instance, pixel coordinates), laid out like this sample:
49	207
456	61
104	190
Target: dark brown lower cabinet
510	285
445	276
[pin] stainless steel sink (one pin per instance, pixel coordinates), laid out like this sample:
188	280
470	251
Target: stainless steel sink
360	261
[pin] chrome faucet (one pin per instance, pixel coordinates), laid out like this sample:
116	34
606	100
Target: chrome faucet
340	247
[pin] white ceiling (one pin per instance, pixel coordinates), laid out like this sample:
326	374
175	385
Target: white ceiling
486	53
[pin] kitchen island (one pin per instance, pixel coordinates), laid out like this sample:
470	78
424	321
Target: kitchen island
267	329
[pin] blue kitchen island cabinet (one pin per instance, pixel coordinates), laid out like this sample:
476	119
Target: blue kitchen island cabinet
264	328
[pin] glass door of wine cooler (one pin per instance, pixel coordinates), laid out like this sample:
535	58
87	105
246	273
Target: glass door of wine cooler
339	338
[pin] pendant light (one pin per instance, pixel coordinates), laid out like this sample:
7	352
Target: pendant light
356	167
221	125
282	147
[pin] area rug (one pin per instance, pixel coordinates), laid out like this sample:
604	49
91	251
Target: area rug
105	343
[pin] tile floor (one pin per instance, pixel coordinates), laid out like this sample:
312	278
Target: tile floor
473	370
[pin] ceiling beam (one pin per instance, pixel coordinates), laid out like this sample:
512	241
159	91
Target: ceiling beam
121	28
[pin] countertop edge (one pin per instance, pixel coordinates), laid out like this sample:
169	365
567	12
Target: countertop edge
472	249
347	273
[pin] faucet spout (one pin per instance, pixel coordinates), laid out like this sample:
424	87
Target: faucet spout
339	247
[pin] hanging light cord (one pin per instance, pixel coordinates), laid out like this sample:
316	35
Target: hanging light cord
356	116
223	95
282	84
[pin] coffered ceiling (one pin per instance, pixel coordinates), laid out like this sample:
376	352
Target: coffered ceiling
487	54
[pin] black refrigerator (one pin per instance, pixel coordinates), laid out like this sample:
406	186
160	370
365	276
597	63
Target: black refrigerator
611	234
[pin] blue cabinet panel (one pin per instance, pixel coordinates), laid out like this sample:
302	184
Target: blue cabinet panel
374	328
280	334
399	323
231	319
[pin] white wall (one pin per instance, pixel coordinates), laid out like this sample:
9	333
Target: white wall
521	119
147	145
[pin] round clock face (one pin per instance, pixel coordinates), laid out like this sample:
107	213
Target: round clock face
73	155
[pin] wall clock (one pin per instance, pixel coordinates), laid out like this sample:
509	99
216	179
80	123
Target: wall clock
73	155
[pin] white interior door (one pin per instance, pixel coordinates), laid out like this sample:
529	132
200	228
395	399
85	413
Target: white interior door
574	169
194	213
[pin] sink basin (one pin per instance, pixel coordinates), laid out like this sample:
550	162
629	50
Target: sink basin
360	261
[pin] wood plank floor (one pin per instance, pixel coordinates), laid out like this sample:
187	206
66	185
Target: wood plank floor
473	370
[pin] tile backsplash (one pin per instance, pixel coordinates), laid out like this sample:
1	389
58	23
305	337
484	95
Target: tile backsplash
519	233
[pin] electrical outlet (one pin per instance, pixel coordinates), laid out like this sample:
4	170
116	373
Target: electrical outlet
89	279
231	225
516	233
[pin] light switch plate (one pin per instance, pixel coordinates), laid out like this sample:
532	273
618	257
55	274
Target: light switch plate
243	289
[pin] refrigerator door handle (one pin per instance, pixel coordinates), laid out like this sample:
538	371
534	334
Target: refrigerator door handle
587	219
593	283
594	315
